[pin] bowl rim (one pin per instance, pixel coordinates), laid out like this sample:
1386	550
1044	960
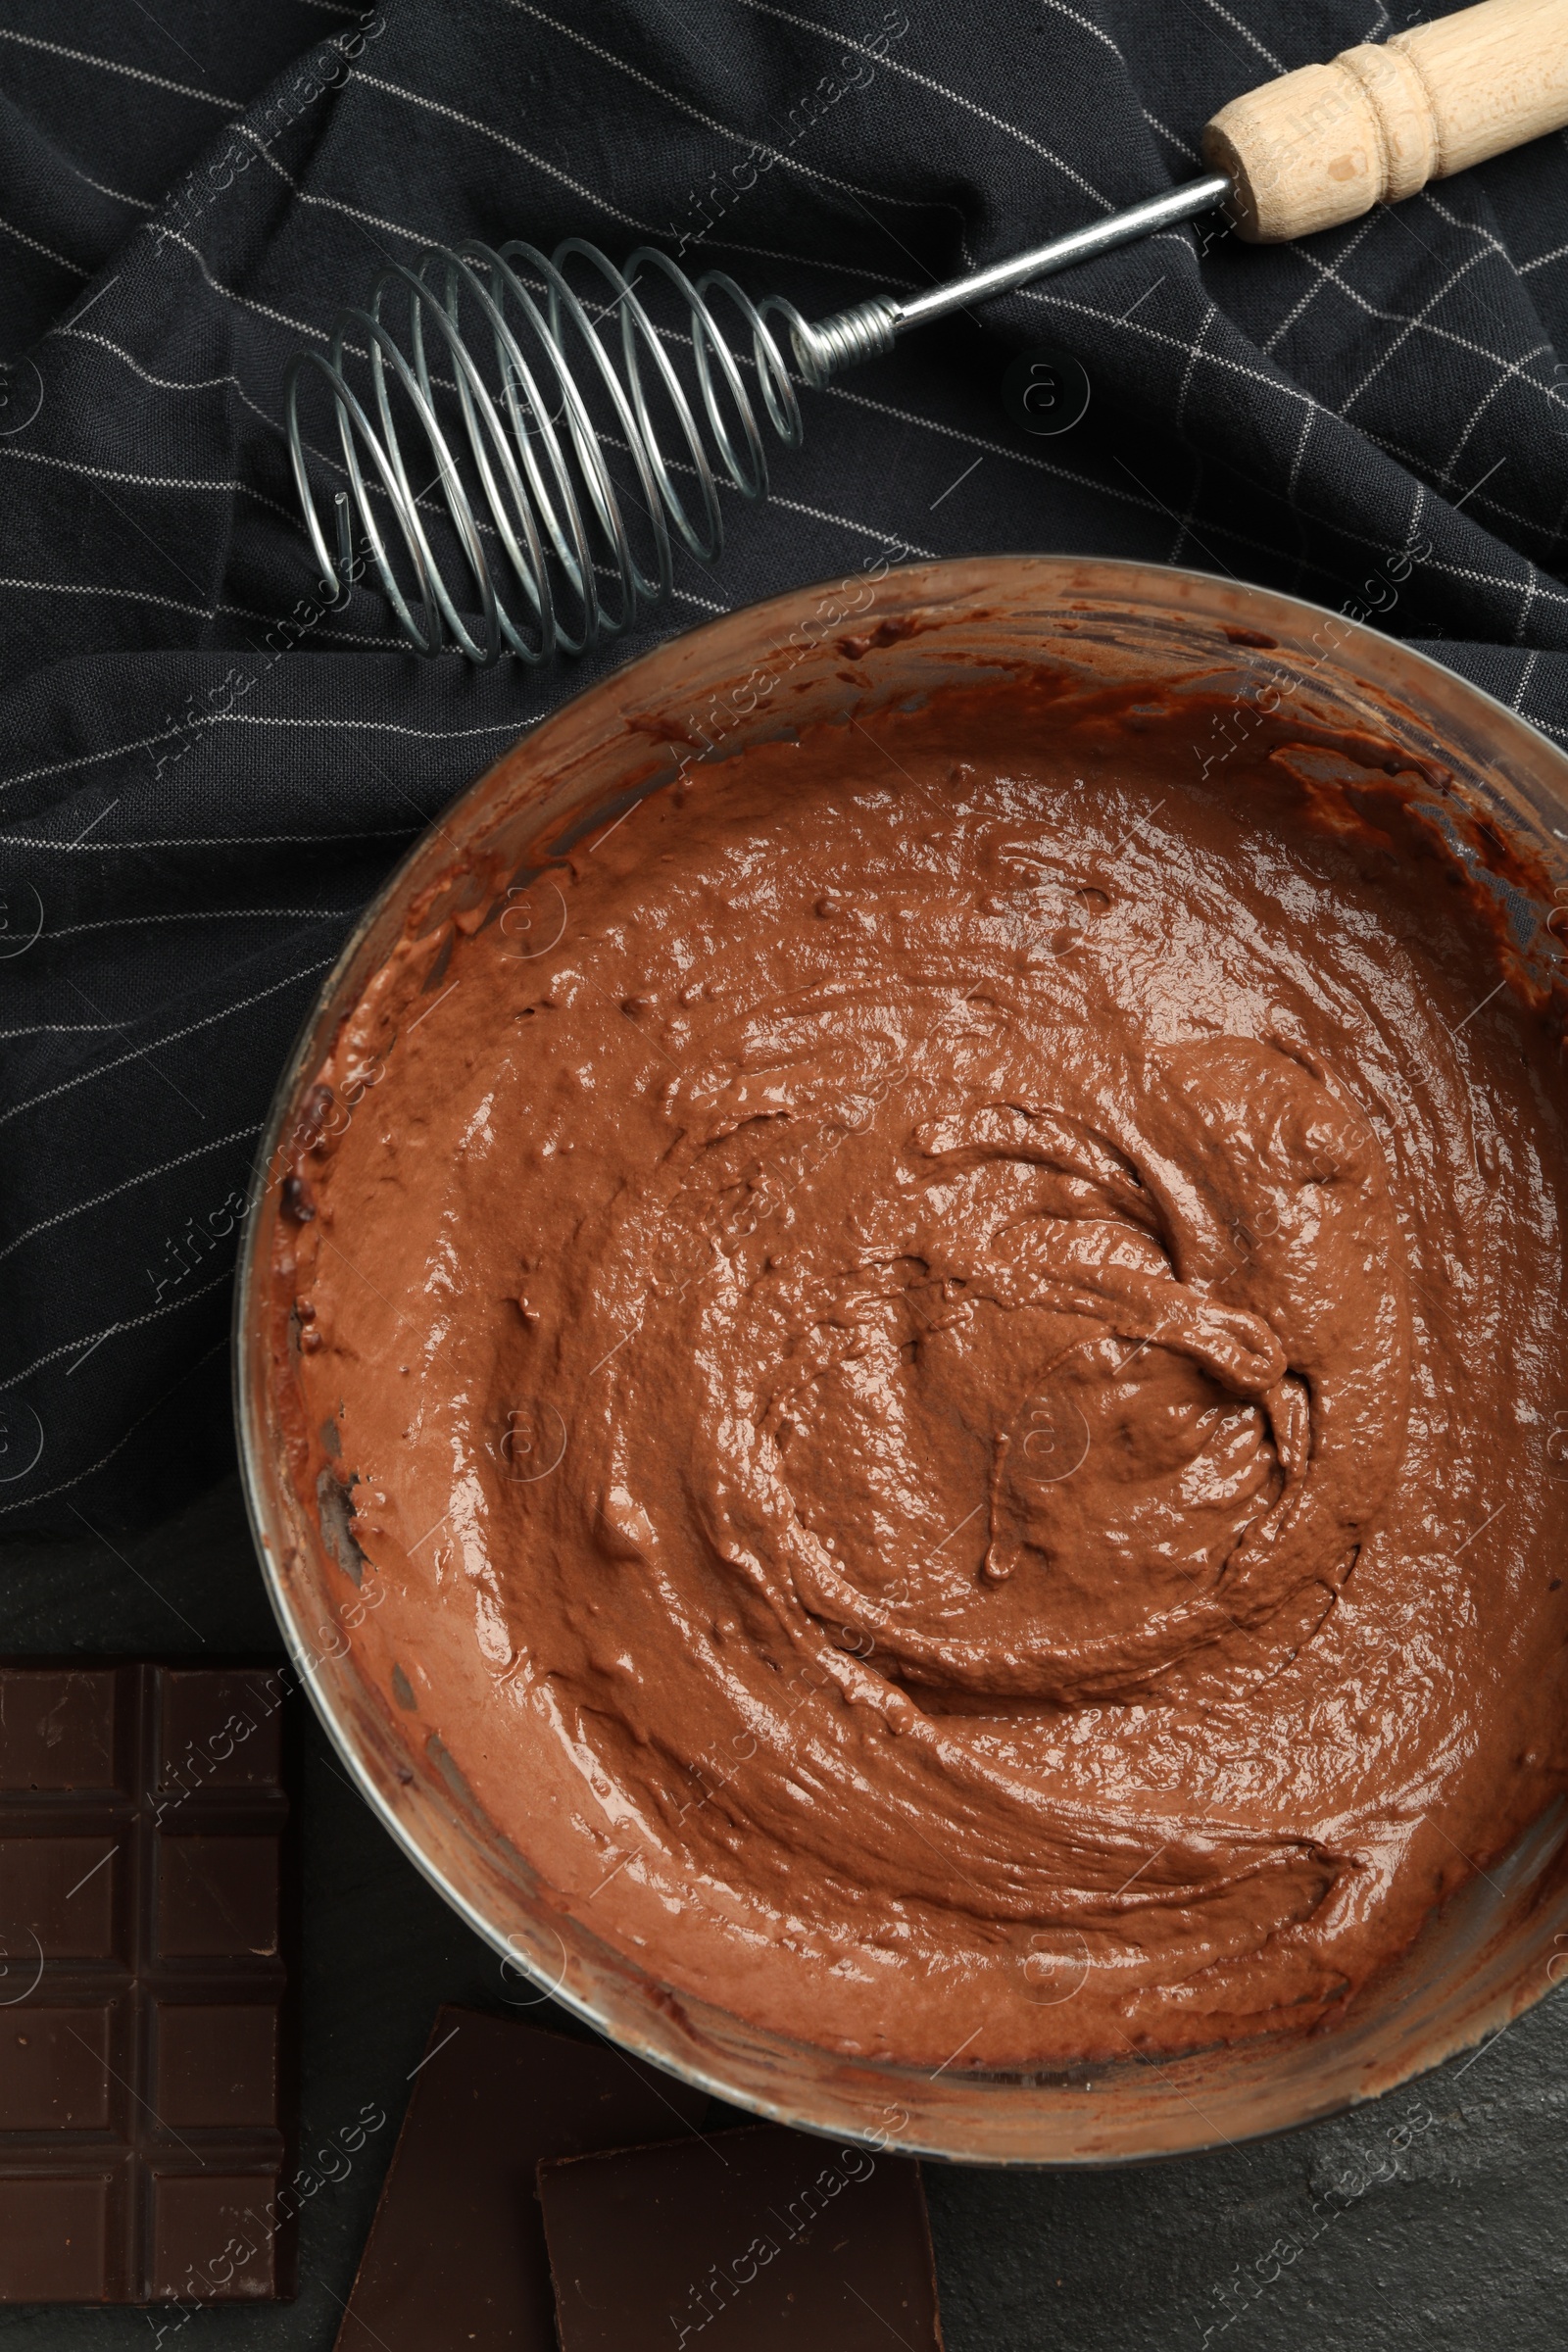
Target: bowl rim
1062	575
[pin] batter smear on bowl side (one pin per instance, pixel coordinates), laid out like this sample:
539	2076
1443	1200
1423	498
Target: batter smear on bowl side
940	1353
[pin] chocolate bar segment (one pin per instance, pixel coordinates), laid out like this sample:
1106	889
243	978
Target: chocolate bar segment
146	1984
58	1731
456	2258
745	2241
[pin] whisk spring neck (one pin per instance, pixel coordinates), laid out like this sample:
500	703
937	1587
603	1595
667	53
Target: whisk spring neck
866	332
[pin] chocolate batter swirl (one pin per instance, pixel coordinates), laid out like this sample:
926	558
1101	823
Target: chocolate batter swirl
945	1333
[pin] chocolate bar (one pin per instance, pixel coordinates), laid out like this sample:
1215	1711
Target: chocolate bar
746	2239
146	1984
456	2258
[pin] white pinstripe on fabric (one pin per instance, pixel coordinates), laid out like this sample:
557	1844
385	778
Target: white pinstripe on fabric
94	1339
297	326
116	750
1055	296
334	204
1169	136
80	1208
141	204
807	260
219	718
647	228
1086	25
1410	459
56	1029
843	522
488	130
1408	456
896	65
380	726
739	138
1275	64
142	481
1195	351
10	229
175	603
1326	277
204	914
1526	605
160	383
1410	329
1431	200
208	1020
207	841
1417	510
203	384
1300	450
64	1485
111	64
1507	376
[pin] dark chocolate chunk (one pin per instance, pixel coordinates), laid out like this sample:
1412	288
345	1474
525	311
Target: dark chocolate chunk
146	1984
298	1203
456	2258
746	2239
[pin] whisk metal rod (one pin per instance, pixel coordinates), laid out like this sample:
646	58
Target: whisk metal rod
871	326
537	448
1078	245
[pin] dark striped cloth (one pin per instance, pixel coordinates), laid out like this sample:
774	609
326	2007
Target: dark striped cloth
193	807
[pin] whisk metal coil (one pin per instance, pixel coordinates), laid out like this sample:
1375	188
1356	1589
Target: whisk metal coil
520	460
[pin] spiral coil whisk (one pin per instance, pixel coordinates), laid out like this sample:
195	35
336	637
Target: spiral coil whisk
528	471
521	460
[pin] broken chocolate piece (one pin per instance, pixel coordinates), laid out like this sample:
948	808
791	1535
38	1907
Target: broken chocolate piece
745	2240
146	1984
456	2258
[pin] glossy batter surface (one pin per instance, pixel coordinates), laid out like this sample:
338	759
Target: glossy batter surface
943	1348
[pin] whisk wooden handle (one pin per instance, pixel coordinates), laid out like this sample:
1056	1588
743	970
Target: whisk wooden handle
1323	145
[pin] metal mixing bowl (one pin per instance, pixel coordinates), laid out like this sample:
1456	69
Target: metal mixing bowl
1503	1940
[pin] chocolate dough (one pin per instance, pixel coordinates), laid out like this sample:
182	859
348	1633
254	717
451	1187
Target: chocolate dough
944	1347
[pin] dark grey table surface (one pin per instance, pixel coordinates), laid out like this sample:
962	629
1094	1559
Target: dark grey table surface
1436	2218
